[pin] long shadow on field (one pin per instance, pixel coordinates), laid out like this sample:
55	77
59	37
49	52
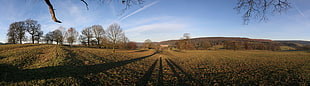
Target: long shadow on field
13	74
72	57
74	61
147	76
187	77
141	50
176	74
160	73
24	46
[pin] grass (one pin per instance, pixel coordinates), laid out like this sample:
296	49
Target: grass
62	65
246	67
287	48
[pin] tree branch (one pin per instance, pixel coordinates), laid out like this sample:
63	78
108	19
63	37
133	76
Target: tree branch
261	9
85	3
50	6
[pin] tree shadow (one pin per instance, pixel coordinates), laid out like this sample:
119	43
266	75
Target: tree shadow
180	51
13	74
160	73
176	74
141	50
147	76
187	77
73	56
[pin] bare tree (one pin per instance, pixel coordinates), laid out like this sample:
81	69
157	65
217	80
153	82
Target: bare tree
98	33
261	9
105	43
12	33
148	44
38	36
187	43
16	32
114	34
33	28
186	36
71	35
49	38
83	40
88	34
128	4
123	41
58	35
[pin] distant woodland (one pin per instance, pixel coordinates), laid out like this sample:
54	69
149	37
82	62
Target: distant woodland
114	38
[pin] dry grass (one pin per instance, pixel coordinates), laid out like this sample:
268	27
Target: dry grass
62	65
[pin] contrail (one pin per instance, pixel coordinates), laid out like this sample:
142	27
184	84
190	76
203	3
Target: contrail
299	11
139	10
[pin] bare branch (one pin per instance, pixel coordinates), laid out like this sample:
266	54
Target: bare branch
50	6
85	3
261	9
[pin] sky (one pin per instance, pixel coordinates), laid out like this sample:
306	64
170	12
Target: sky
161	20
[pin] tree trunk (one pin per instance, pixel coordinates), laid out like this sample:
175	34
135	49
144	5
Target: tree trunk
98	42
113	47
39	40
20	41
32	39
14	40
88	41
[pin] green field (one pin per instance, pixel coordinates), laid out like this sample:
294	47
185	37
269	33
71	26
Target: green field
31	64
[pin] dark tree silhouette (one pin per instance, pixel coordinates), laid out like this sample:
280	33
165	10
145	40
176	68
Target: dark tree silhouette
98	33
88	34
58	35
16	32
261	9
49	38
34	29
12	33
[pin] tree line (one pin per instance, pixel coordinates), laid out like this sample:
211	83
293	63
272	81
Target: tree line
185	43
246	45
113	37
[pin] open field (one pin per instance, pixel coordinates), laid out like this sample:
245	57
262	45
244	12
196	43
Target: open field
62	65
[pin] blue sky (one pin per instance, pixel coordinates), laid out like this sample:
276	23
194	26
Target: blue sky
161	20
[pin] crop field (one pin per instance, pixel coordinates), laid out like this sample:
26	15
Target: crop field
31	64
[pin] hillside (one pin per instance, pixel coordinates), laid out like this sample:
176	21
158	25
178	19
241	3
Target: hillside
294	41
217	39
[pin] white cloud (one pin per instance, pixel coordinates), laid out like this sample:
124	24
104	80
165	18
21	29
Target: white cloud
156	31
